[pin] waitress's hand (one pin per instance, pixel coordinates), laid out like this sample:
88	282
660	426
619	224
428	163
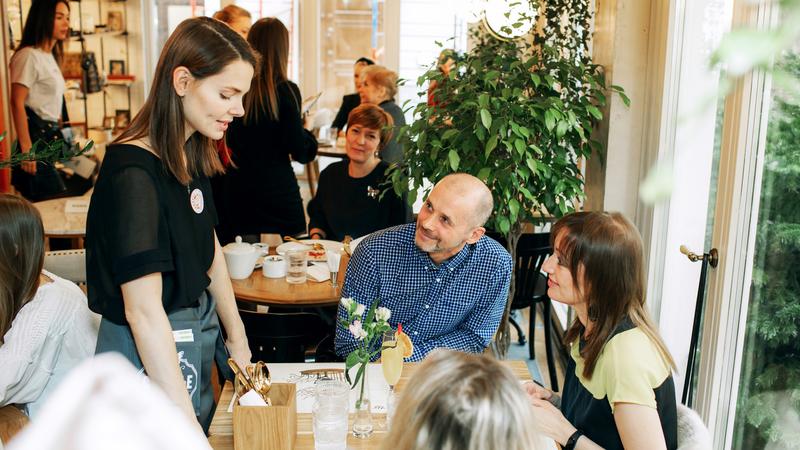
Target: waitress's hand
551	422
240	352
28	166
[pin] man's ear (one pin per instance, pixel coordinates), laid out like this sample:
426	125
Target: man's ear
181	78
476	234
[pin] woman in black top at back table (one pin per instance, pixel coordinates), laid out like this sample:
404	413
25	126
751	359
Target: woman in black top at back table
155	268
379	87
348	200
350	101
261	193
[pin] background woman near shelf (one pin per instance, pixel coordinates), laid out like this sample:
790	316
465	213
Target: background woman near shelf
155	268
348	200
237	18
262	194
379	86
46	328
37	98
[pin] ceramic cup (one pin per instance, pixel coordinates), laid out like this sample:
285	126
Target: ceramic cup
274	267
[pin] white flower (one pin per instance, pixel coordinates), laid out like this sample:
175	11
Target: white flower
359	309
356	330
346	302
382	314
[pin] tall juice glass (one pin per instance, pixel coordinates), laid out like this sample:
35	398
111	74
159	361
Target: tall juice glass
392	365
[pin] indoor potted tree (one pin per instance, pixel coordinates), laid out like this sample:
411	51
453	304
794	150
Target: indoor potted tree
518	114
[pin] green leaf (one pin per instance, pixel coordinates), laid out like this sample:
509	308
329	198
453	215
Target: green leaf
594	112
483	100
519	144
625	99
352	360
490	145
449	134
526	193
486	119
484	173
563	126
454	160
504	224
513	208
531	163
549	120
537	80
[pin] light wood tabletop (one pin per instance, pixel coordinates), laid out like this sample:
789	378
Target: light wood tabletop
277	292
64	217
333	151
221	430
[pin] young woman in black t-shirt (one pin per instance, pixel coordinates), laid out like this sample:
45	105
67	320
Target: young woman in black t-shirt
618	386
155	268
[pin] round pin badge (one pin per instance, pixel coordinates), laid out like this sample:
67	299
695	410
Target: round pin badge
196	200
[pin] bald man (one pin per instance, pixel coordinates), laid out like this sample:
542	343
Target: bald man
441	277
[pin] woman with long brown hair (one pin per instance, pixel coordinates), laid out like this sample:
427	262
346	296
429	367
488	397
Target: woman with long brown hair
46	327
155	268
261	193
618	387
37	94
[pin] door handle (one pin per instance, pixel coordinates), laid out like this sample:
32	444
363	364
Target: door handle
712	256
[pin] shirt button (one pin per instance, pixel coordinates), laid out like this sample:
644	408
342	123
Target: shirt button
438	280
427	306
415	333
451	269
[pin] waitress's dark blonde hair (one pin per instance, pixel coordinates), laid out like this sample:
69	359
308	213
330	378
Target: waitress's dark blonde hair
21	256
372	117
270	38
606	249
204	46
461	401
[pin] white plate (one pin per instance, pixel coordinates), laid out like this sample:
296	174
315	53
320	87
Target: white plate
354	243
307	244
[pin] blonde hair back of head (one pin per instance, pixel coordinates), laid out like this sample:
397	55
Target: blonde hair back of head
460	401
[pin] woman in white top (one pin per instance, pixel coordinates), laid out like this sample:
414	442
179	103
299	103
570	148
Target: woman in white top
46	327
37	86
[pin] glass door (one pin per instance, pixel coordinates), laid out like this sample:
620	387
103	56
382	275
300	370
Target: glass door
748	386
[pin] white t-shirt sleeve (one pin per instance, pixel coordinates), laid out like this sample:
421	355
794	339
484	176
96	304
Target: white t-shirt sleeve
23	68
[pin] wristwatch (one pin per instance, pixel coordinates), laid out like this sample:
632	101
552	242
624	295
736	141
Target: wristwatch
570	445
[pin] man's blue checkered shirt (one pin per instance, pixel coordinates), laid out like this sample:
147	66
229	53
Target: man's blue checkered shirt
457	304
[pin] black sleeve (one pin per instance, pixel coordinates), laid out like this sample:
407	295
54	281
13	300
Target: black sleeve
399	211
140	243
341	117
300	143
316	213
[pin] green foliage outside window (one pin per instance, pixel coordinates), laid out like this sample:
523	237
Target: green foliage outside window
769	401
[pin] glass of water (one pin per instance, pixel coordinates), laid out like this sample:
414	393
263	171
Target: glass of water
334	258
330	414
296	268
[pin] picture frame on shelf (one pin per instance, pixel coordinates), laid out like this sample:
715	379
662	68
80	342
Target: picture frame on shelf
122	118
115	22
116	67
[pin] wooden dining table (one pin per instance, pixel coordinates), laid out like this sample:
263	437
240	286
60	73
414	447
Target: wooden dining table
221	430
277	292
65	217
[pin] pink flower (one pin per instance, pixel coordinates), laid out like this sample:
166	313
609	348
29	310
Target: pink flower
357	331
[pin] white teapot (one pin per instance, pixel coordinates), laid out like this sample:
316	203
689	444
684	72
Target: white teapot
241	258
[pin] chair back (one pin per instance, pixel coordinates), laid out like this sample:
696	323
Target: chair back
692	432
67	264
531	283
283	336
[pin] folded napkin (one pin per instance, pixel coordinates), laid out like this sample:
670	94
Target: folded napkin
319	272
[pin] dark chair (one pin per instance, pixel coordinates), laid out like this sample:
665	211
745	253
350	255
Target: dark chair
283	336
531	290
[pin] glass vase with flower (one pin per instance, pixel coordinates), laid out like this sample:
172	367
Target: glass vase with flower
368	327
